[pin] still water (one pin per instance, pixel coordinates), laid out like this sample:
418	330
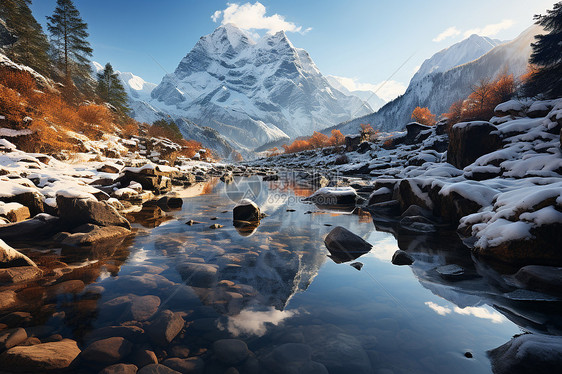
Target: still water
276	285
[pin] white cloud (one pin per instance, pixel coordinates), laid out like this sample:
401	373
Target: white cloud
480	312
490	30
215	17
448	33
252	17
255	322
441	310
387	90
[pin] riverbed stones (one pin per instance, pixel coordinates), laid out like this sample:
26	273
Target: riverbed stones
12	337
231	351
165	327
14	212
144	307
120	369
7	299
76	211
107	351
401	257
92	235
20	274
292	358
541	278
130	333
191	365
470	140
41	357
10	257
142	357
157	369
198	275
40	226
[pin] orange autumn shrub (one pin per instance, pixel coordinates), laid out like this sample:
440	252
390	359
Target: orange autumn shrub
18	80
317	140
12	106
423	116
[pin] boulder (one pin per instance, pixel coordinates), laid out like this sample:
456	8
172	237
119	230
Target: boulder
380	195
169	202
191	365
131	333
416	133
75	211
108	168
470	140
32	200
39	227
541	278
12	337
292	358
227	178
231	351
144	307
165	327
41	357
401	257
344	245
246	210
20	274
7	299
10	257
157	369
14	212
352	142
107	351
120	369
413	192
333	196
198	275
142	357
528	353
92	235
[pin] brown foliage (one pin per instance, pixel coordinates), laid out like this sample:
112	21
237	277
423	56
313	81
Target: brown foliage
317	140
423	116
18	80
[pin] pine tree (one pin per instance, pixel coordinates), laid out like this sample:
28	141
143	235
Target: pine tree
31	47
71	49
110	89
547	56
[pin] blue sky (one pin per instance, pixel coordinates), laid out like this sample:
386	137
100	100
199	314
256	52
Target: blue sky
363	40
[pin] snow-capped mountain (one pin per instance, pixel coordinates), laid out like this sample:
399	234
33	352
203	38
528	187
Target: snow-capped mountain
136	87
253	92
438	90
368	96
459	53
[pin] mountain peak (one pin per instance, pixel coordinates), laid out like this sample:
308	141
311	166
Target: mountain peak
229	34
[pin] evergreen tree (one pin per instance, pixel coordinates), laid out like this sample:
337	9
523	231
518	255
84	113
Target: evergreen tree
31	47
110	89
547	56
71	49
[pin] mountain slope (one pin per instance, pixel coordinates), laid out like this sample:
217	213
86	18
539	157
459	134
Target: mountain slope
253	92
459	53
438	91
369	96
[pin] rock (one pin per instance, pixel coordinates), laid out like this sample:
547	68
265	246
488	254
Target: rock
413	192
17	319
20	274
387	209
291	358
144	307
165	327
380	195
216	226
32	200
198	275
344	245
246	210
10	257
108	168
401	257
41	357
231	351
11	338
39	227
149	179
333	196
71	286
541	278
352	142
142	357
120	369
7	299
107	351
168	202
470	140
14	212
357	265
270	177
131	333
416	132
192	365
227	178
454	272
157	369
78	211
179	351
528	353
93	235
